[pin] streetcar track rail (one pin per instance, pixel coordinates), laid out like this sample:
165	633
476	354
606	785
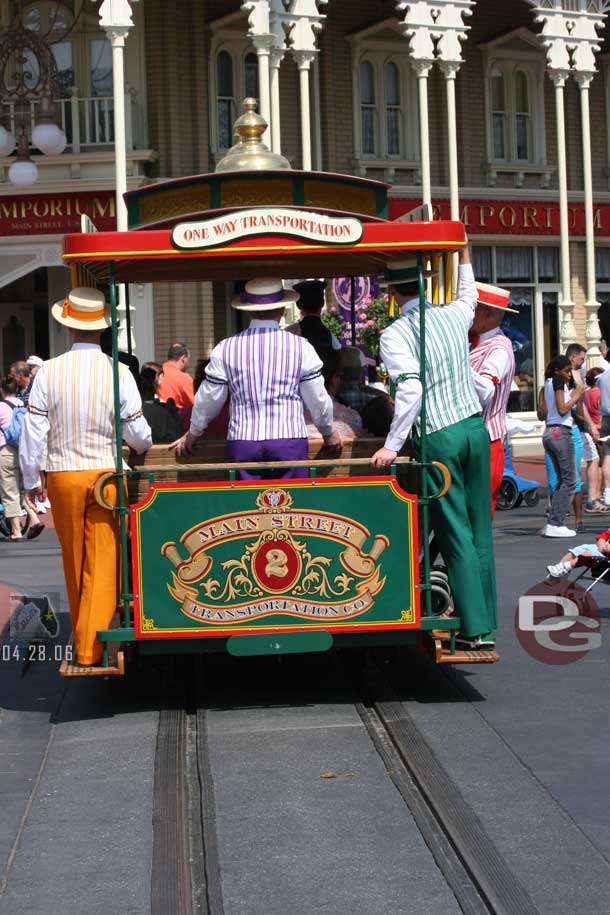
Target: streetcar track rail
185	875
476	872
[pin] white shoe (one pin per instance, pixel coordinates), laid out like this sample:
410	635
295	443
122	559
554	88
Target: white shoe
46	503
553	530
558	571
40	508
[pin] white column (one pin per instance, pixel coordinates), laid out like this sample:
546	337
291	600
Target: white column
117	39
317	114
275	60
592	331
116	20
304	59
262	43
422	68
450	69
567	331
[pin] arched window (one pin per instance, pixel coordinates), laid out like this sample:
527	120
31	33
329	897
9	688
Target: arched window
49	24
392	109
498	114
514	107
367	108
233	76
225	99
384	106
522	116
251	75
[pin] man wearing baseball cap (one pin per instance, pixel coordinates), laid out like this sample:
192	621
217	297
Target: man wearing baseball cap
493	368
270	375
71	410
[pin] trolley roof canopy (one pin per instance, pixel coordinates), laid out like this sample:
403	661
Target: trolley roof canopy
151	256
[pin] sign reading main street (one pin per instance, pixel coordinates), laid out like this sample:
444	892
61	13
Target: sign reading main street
222	230
221	559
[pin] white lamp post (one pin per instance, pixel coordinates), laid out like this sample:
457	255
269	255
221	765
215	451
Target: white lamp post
116	20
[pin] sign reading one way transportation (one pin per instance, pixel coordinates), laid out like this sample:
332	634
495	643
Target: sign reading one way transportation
221	559
221	230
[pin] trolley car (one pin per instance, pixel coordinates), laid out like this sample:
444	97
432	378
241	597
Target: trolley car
272	566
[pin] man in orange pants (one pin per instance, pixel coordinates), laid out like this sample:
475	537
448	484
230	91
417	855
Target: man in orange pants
71	410
493	368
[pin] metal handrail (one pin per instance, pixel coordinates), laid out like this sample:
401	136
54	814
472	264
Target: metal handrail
100	484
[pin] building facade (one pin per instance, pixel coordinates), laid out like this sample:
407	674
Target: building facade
348	86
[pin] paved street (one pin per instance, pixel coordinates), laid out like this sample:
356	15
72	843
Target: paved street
525	743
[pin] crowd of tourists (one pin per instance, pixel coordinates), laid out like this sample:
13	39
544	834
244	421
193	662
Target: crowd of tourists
575	407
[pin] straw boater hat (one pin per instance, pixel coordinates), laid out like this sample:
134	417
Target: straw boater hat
495	297
263	295
83	309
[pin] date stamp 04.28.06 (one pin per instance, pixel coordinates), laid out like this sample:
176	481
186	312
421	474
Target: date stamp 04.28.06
33	632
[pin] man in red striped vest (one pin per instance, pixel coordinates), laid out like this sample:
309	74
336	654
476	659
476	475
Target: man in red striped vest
493	368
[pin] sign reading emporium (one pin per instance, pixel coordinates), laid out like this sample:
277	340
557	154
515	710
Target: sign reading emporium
51	214
222	230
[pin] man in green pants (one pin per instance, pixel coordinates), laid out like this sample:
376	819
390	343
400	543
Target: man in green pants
456	435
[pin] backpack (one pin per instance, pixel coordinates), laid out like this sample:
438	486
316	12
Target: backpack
13	433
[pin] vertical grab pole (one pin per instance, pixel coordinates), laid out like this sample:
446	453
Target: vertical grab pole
123	510
423	444
352	309
128	318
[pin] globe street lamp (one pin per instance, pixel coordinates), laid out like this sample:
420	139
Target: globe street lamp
28	73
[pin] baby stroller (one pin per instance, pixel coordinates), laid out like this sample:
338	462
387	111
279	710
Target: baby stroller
515	489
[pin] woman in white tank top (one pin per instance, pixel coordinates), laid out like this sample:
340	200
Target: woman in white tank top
555	406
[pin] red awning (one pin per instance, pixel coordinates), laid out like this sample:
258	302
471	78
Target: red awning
149	256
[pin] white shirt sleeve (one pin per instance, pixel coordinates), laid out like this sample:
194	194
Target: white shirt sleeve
34	432
211	395
135	431
496	366
466	299
315	396
403	369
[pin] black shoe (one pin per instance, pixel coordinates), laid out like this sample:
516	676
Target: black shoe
35	531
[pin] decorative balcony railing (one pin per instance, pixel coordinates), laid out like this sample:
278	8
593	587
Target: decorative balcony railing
87	122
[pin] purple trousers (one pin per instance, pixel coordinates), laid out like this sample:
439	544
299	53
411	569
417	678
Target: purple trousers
280	449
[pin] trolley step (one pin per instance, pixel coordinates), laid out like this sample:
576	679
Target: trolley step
441	652
116	666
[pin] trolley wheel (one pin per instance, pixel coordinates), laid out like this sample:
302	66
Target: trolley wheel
531	497
508	495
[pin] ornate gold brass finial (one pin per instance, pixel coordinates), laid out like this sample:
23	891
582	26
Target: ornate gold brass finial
249	152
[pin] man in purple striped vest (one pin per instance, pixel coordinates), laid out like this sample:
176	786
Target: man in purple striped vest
493	368
269	375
